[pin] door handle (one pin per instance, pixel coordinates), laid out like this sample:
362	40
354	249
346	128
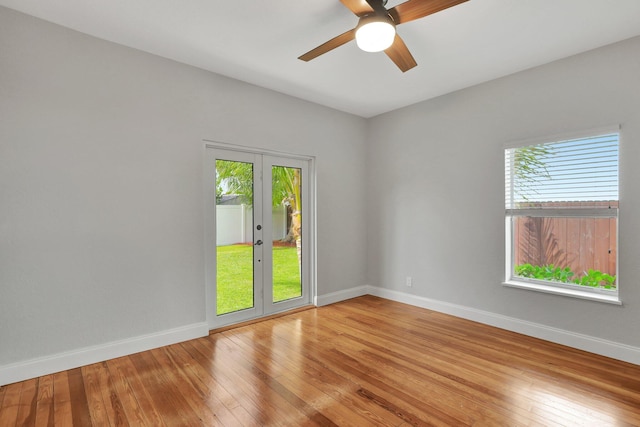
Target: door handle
258	243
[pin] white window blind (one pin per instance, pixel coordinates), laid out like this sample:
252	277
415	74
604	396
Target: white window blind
571	174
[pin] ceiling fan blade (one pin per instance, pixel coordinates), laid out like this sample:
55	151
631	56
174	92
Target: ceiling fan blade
415	9
359	7
400	55
330	45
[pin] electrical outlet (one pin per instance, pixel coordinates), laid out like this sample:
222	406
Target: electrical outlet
409	281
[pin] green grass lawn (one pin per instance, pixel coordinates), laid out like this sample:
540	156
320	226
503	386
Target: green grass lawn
235	276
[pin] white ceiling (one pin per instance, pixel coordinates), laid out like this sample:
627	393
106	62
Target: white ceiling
258	41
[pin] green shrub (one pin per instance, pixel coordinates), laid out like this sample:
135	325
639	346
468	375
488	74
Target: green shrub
596	279
591	278
544	272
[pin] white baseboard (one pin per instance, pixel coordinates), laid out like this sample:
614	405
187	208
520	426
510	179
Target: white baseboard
338	296
588	343
69	360
85	356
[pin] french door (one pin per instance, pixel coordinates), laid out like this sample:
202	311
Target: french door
258	235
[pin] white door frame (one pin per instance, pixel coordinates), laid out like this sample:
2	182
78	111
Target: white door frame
309	232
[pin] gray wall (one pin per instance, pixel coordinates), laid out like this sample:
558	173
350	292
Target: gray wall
101	208
436	188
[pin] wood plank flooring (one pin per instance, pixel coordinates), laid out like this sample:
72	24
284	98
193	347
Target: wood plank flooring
366	361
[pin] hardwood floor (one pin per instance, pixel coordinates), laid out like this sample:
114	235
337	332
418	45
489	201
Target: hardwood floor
366	361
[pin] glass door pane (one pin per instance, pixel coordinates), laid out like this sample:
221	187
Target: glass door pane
286	226
257	228
234	236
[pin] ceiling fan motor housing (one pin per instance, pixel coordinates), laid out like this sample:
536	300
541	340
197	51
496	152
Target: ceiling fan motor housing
375	17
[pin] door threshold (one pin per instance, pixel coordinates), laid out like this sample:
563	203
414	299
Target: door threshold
261	319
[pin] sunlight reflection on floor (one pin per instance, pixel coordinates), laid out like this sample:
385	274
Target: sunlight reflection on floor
562	410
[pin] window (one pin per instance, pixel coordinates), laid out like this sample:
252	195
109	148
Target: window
562	216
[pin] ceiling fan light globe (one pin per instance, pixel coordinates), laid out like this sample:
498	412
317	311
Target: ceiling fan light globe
375	36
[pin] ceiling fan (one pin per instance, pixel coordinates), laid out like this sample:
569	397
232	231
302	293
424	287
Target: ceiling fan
376	31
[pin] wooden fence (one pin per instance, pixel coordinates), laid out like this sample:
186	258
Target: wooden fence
577	243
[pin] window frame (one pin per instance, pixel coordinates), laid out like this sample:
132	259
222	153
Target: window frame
558	288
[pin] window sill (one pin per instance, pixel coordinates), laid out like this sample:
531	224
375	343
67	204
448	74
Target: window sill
574	293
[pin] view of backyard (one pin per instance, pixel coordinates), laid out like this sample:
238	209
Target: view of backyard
235	281
579	251
239	232
562	201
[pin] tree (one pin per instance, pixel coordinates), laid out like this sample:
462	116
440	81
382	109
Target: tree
529	167
286	188
234	178
538	242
